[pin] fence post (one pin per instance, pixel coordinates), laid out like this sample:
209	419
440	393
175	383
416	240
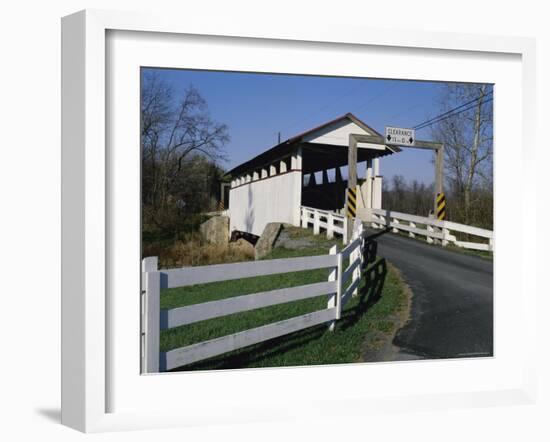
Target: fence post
380	221
151	316
444	240
345	230
316	220
305	216
150	264
358	254
413	225
330	226
334	275
430	229
395	221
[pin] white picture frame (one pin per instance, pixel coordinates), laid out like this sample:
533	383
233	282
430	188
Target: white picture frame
87	355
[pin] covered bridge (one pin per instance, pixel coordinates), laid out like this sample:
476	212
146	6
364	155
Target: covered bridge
305	170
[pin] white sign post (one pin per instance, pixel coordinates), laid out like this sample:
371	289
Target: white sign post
399	135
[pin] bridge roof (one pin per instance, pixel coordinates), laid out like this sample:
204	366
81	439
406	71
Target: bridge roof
324	147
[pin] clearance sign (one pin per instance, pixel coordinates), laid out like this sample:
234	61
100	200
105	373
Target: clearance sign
400	136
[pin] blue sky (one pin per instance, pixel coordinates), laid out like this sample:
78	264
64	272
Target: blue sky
256	107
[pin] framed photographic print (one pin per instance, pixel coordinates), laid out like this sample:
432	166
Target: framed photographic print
269	221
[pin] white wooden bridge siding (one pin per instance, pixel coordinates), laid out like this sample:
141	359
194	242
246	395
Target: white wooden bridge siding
274	199
272	192
338	134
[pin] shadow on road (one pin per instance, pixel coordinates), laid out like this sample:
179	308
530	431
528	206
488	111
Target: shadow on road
371	247
376	235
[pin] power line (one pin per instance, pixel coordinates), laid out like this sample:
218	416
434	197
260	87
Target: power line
403	112
454	114
376	97
451	112
350	92
454	109
324	107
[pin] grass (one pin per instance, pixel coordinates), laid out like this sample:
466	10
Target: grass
381	295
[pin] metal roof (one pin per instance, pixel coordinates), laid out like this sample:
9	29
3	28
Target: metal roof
316	156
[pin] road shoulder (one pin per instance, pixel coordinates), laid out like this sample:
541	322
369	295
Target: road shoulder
378	345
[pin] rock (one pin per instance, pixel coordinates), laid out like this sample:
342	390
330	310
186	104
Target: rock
268	238
216	230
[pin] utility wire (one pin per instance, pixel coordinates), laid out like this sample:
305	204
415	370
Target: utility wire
452	112
403	112
324	107
425	125
376	97
350	92
454	109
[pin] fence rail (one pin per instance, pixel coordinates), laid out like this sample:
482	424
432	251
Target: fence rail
214	309
214	347
434	230
331	222
155	319
182	277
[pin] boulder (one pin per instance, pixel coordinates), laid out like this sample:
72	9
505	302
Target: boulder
268	238
216	230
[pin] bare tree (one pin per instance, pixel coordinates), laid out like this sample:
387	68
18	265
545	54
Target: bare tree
468	136
414	198
176	132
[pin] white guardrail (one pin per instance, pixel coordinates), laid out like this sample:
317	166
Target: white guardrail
155	319
433	229
324	219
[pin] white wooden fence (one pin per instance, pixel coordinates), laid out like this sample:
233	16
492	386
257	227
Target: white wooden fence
433	229
332	222
154	319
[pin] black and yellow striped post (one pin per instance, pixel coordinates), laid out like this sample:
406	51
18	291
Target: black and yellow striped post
221	206
351	202
441	206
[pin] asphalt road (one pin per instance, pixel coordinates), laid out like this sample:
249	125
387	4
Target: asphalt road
452	302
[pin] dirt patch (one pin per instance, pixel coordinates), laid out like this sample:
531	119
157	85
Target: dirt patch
289	239
297	238
379	347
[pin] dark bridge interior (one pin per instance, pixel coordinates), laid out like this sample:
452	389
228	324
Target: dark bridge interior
326	196
326	191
